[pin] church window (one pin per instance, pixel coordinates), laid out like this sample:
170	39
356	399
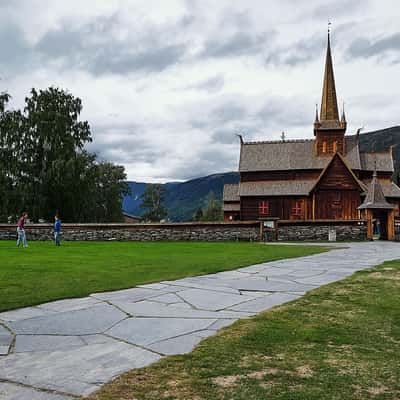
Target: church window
263	207
334	147
324	147
297	210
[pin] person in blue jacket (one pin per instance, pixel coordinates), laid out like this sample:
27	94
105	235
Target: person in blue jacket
57	230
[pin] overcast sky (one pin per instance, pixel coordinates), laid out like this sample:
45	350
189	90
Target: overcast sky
166	84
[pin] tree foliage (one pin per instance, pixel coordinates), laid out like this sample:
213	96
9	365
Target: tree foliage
153	203
213	209
44	167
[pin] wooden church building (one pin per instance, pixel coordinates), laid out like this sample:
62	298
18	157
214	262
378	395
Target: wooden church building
324	178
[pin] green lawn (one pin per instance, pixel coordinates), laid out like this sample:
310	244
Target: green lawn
43	272
340	342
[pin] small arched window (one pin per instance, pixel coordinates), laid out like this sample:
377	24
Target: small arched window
324	147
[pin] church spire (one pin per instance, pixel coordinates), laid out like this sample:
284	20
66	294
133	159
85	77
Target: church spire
329	107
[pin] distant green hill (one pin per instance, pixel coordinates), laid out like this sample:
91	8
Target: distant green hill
183	199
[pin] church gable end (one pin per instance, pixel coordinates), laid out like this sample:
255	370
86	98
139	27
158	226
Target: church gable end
338	176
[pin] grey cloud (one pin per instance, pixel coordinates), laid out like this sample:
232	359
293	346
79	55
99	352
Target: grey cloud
15	52
120	61
93	48
239	44
229	112
337	8
226	135
210	85
209	160
303	51
382	48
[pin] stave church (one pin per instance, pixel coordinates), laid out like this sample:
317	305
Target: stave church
325	178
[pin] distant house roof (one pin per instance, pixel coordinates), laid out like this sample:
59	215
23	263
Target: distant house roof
300	154
277	188
231	192
125	214
231	207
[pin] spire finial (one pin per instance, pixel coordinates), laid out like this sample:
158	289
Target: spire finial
343	113
283	136
329	26
316	113
375	175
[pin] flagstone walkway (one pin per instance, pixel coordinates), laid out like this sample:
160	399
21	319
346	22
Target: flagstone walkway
69	348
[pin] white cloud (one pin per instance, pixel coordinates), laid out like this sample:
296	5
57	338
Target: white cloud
166	84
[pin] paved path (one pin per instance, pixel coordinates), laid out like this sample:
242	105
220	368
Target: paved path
65	349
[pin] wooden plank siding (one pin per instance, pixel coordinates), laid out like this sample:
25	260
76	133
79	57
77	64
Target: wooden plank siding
279	207
337	195
337	204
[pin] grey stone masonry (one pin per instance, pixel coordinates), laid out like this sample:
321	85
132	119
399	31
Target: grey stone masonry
195	231
344	232
204	231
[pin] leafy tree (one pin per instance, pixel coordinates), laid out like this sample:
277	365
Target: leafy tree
198	215
44	167
213	210
153	203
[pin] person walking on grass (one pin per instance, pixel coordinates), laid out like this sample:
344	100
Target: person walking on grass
57	230
21	230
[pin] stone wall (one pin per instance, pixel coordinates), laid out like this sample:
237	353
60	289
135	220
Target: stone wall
207	231
345	231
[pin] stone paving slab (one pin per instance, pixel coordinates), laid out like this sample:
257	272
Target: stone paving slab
11	391
146	331
78	371
70	348
6	339
95	319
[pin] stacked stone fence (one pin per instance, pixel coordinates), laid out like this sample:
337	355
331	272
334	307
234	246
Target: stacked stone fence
204	231
340	230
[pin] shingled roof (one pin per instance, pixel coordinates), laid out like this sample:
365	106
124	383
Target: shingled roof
277	188
375	198
383	160
300	154
231	192
390	189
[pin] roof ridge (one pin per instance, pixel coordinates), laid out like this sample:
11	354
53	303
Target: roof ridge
280	141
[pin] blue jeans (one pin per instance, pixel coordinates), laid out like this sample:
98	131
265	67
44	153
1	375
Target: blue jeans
57	238
21	237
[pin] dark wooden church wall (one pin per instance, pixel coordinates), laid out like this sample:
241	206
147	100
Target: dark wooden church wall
337	204
283	207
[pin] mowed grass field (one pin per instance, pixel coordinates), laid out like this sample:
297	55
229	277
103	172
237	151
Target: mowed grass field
44	272
339	342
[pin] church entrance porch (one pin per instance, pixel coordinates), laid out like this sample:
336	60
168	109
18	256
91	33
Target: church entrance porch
380	224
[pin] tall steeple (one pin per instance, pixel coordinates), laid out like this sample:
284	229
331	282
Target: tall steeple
329	107
329	129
